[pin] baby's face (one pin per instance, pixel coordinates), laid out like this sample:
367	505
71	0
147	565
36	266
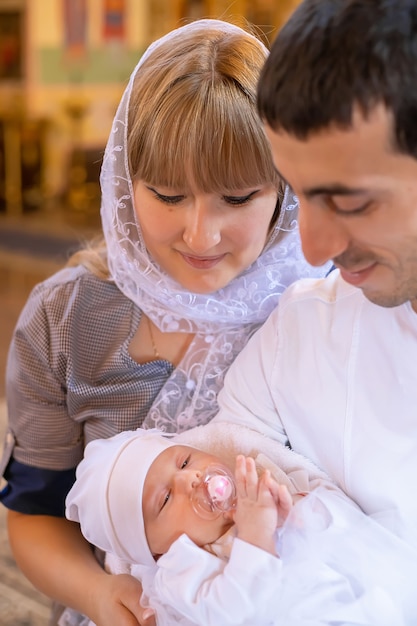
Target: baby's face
166	501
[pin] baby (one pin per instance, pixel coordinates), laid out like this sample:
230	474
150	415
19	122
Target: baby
233	539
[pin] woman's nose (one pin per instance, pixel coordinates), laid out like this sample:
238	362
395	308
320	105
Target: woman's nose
202	232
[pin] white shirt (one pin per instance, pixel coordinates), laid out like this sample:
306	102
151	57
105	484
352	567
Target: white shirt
337	376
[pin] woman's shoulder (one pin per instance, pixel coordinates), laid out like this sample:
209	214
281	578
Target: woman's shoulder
75	293
74	277
77	283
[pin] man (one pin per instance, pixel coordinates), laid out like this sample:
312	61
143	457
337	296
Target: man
334	369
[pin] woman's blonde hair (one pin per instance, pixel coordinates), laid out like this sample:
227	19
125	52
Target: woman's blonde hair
193	114
193	119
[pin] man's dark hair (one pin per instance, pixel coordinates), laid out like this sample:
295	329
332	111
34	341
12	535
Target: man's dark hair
334	55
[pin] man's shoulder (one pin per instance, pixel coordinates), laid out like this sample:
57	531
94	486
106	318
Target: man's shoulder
312	300
330	290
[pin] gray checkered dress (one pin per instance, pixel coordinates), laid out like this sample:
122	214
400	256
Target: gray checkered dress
70	377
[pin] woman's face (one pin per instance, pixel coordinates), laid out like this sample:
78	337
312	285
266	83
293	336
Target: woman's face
204	240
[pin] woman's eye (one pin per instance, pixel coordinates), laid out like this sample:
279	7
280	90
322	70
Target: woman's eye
239	200
166	199
169	199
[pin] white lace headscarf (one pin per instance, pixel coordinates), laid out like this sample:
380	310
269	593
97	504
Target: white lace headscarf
222	321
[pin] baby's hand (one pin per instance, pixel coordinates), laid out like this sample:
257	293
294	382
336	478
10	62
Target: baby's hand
256	514
283	499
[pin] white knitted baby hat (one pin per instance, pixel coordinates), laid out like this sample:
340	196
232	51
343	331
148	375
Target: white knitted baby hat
106	498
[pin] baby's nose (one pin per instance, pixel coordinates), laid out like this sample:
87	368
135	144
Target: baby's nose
187	480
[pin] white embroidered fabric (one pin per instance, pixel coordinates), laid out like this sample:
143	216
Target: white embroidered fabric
222	321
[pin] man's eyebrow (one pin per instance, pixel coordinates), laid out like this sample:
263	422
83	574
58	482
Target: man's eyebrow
335	189
332	190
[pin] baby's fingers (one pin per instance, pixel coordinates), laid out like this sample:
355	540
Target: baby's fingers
285	499
268	489
246	477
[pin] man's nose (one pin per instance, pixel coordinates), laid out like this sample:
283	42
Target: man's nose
202	231
322	235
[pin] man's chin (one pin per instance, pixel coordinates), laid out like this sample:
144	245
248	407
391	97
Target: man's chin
386	300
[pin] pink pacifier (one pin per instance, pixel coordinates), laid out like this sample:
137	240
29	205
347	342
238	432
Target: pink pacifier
216	492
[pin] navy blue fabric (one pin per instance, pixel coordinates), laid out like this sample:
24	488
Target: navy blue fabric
36	491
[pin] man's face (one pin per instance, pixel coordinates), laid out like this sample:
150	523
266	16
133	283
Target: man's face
358	204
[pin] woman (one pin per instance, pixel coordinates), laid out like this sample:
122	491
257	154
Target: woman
140	332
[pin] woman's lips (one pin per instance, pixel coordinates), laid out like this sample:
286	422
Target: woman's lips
202	263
